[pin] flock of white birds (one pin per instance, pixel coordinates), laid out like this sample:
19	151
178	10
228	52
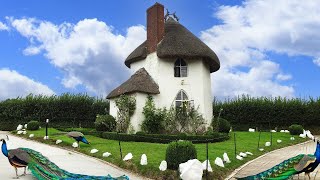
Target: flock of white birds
192	167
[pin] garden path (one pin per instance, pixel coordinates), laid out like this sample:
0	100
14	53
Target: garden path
273	158
68	160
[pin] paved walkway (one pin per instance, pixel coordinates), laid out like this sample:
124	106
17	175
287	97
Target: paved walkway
68	160
273	158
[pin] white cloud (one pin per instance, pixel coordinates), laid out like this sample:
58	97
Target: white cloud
88	52
14	84
3	27
317	62
250	31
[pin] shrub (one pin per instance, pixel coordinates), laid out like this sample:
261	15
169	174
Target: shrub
224	125
180	152
295	129
153	118
105	123
33	125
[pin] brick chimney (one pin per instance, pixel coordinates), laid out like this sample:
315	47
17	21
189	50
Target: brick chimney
155	26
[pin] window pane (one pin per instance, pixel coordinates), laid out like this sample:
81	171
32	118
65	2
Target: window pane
179	96
184	96
176	71
184	71
178	103
183	63
177	63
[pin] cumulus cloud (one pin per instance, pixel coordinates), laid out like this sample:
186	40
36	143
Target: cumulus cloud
88	52
317	62
248	32
14	84
3	27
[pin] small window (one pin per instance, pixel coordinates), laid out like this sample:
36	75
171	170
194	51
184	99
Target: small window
181	98
180	68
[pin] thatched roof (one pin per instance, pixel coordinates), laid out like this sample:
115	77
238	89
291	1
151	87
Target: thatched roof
178	41
140	81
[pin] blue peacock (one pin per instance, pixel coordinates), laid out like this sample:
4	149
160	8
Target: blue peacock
42	168
306	163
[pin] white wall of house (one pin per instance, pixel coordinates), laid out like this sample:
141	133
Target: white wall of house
197	84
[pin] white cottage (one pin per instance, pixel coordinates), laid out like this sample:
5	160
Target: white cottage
172	65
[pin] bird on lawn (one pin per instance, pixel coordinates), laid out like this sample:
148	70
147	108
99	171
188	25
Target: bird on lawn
306	163
42	168
78	136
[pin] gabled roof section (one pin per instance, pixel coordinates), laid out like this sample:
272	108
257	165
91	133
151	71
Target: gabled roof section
140	81
178	42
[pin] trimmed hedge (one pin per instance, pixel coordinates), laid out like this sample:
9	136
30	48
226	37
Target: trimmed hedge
180	152
105	123
165	138
67	110
295	129
33	125
265	113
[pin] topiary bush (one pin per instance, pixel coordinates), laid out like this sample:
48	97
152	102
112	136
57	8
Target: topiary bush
295	129
33	125
179	152
105	123
220	125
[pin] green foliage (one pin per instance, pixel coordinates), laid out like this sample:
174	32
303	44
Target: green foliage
165	138
179	152
183	119
295	129
220	125
153	118
245	112
64	110
105	123
126	105
33	125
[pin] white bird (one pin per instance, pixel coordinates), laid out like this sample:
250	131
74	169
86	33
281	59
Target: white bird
19	127
19	132
163	165
302	135
31	135
273	131
218	161
24	132
267	143
75	144
144	159
279	141
251	130
128	157
261	149
106	154
309	134
58	141
239	157
226	158
249	153
94	151
25	126
46	137
292	138
242	154
204	165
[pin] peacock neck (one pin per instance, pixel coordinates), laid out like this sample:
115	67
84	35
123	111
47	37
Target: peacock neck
4	148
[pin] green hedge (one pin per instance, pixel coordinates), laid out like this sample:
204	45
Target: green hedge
165	138
265	113
67	110
180	152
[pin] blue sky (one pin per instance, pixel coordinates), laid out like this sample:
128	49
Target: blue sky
266	48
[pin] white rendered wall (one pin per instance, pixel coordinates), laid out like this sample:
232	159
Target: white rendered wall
197	85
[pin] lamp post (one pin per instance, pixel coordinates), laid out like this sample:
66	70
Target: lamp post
47	122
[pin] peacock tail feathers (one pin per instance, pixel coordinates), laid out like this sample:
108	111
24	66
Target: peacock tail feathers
43	169
283	170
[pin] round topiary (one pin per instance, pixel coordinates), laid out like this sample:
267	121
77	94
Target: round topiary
105	123
295	129
179	152
224	125
33	125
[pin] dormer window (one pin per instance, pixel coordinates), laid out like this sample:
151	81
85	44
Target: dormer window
181	98
180	68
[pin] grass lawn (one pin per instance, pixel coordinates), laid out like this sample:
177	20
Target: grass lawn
246	141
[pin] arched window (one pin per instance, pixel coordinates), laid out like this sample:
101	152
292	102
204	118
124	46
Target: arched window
180	68
181	98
